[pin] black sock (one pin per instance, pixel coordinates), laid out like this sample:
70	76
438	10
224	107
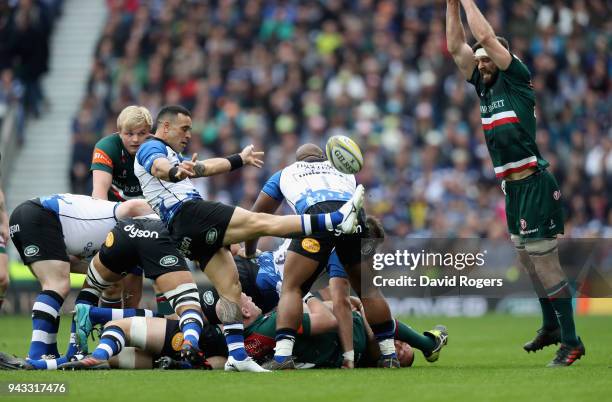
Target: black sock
549	317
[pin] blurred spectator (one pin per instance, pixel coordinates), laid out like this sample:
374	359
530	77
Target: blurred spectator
25	30
11	95
30	46
281	73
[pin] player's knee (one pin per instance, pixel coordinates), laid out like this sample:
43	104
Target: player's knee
541	247
518	243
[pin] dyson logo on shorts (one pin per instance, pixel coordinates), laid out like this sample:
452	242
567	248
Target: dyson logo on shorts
135	232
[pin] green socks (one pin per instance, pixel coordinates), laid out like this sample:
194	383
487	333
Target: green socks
549	317
561	300
415	339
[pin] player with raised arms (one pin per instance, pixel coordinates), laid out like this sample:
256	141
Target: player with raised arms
202	228
533	200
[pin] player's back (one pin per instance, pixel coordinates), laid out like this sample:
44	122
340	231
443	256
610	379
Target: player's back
304	184
85	221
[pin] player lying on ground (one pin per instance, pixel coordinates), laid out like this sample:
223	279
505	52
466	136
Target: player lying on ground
267	282
317	344
533	199
145	243
202	228
47	232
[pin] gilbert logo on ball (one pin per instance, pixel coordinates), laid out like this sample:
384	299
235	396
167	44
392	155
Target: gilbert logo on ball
344	154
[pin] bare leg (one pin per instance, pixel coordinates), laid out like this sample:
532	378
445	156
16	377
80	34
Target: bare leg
340	292
112	297
246	225
297	271
132	290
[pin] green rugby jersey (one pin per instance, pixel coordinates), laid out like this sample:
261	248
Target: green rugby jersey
111	156
507	110
322	350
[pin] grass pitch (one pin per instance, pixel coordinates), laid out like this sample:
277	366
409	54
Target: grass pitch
483	361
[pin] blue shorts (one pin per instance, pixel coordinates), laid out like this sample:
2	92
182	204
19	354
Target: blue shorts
268	281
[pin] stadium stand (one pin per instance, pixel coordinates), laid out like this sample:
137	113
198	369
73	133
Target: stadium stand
279	73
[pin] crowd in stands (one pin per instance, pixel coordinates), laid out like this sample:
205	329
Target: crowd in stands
281	73
25	32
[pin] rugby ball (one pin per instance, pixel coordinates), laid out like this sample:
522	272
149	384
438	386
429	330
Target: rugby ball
344	154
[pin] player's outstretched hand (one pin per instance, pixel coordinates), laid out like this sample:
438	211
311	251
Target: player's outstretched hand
251	157
187	168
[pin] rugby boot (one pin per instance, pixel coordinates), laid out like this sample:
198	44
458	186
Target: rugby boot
440	334
388	362
194	356
566	355
83	326
247	364
168	363
544	337
88	363
350	211
8	362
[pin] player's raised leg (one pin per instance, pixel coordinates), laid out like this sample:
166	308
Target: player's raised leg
246	225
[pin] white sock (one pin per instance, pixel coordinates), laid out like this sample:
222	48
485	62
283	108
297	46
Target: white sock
387	347
284	347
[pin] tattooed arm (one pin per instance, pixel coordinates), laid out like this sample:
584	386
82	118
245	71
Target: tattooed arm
215	166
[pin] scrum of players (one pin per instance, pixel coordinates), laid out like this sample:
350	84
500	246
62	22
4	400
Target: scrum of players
259	314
